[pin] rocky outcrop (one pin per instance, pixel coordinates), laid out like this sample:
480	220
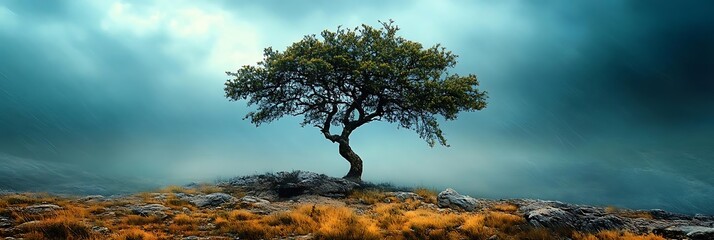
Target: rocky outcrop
558	215
550	217
149	210
449	198
207	200
554	215
664	215
687	232
284	185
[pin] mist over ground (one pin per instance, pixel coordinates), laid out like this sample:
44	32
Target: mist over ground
603	102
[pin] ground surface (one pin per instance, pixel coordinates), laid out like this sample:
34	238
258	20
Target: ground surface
234	210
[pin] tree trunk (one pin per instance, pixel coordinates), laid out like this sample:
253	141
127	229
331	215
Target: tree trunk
355	173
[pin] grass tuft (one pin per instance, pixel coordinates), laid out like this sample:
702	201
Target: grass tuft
57	228
135	234
368	196
628	213
141	220
505	207
429	195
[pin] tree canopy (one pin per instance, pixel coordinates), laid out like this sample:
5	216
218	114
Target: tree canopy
350	77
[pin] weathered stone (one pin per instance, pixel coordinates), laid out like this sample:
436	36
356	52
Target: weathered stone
5	222
27	225
594	224
704	218
211	200
253	200
664	215
449	198
687	232
402	196
550	217
40	208
150	210
102	230
283	185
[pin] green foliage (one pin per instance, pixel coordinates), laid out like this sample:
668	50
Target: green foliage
350	77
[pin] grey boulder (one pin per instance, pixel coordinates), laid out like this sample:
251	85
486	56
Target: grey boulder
550	217
284	185
210	200
149	210
687	232
449	198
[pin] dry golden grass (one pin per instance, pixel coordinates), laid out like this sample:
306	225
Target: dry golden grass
141	220
204	188
429	195
148	198
177	189
535	234
183	219
628	213
615	235
389	217
347	225
325	222
60	227
426	224
248	229
339	223
474	227
409	219
505	207
290	222
241	214
237	192
67	211
134	234
175	203
95	209
368	196
208	188
502	220
25	199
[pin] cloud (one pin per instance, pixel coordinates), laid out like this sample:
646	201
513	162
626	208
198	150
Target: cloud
204	36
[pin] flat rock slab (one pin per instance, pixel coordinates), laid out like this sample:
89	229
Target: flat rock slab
283	185
687	232
41	208
207	200
253	200
150	210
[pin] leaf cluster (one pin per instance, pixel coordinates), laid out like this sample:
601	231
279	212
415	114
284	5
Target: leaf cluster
350	77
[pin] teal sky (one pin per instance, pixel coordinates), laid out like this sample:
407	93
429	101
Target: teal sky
598	102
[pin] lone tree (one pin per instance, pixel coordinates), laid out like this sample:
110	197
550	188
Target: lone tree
350	77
